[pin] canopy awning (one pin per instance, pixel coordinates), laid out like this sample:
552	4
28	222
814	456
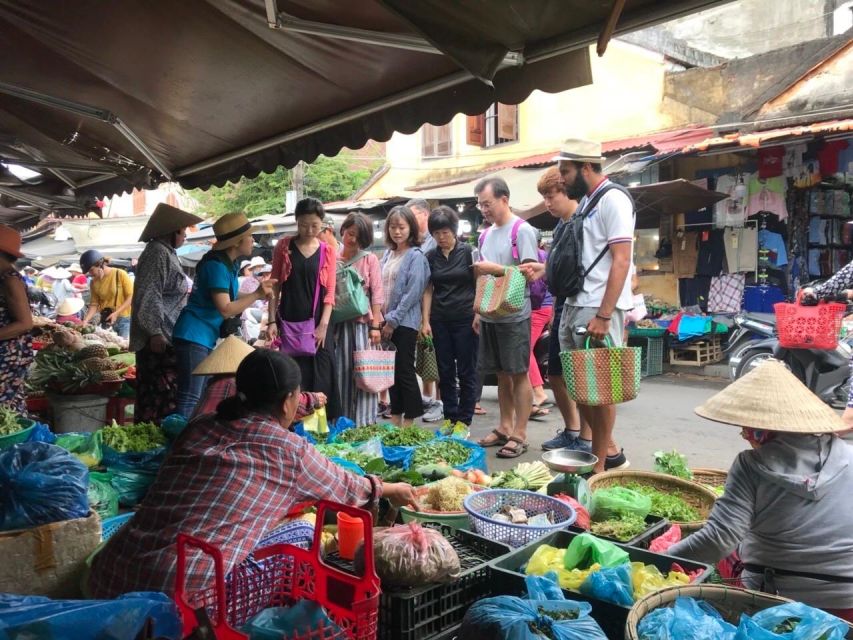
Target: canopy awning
100	96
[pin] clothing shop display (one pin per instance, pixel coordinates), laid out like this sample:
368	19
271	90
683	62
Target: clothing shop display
775	244
793	160
685	252
766	195
761	298
694	291
828	156
726	293
711	253
770	162
730	212
741	249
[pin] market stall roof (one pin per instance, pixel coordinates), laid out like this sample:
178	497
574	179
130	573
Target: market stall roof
99	97
659	141
771	137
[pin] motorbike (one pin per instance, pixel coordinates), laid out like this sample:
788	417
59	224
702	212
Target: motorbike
746	346
42	303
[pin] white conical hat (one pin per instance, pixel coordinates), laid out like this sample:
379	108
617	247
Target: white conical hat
225	358
771	397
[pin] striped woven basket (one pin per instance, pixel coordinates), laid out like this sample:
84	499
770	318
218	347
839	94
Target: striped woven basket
373	369
602	376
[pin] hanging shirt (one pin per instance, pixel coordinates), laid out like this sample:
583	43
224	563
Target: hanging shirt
793	160
775	243
770	161
730	212
828	156
767	195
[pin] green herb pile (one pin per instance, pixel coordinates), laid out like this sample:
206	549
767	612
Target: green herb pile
545	630
625	528
673	463
362	434
667	505
441	452
787	625
8	421
407	437
135	438
333	450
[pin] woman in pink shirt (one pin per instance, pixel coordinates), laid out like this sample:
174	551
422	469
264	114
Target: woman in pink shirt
358	334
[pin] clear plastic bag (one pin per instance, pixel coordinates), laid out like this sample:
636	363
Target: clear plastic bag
103	498
372	448
611	584
411	556
614	502
810	623
304	618
586	550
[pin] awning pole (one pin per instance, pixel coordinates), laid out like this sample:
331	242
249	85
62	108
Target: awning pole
36	164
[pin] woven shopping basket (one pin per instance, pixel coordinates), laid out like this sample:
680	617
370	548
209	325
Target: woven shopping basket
500	296
426	364
602	376
809	327
373	369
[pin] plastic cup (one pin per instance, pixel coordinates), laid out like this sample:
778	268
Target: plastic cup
350	534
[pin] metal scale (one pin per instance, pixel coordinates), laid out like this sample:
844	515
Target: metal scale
570	466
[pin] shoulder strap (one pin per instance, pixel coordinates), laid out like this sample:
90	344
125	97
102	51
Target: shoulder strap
514	238
322	251
355	258
590	205
118	286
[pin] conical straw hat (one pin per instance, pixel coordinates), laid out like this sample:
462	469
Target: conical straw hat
771	397
167	219
225	358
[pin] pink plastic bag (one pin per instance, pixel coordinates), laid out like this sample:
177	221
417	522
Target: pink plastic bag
662	543
583	519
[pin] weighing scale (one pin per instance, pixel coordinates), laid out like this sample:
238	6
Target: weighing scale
571	466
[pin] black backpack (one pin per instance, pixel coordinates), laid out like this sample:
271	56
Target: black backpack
564	269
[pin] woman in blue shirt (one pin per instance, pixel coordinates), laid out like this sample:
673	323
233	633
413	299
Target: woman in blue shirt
213	299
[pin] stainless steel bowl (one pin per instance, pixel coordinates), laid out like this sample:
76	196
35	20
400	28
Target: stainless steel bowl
569	461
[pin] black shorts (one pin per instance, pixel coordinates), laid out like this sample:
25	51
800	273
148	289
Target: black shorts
505	348
555	367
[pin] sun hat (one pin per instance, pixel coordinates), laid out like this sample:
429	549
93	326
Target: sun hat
257	261
771	398
225	358
70	306
10	241
56	273
578	150
75	268
30	269
167	219
230	229
245	263
267	268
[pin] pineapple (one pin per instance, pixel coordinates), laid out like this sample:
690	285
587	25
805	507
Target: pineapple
93	351
110	376
96	364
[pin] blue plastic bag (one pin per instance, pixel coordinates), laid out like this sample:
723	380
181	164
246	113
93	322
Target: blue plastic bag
131	485
509	618
299	429
337	426
477	459
144	461
41	483
41	433
402	456
348	465
398	456
119	619
686	618
173	425
303	618
814	623
611	584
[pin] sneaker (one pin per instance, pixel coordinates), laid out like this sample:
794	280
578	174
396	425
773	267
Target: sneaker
384	410
434	412
566	440
619	461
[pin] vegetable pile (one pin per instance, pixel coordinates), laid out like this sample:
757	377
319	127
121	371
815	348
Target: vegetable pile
526	476
441	452
542	628
136	438
407	437
624	528
447	495
672	463
667	505
362	434
8	421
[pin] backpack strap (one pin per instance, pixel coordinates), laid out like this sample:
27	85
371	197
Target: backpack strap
514	238
590	206
355	258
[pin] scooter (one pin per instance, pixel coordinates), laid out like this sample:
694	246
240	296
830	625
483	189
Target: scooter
42	303
747	342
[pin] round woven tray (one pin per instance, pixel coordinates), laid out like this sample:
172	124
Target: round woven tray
696	495
710	477
731	602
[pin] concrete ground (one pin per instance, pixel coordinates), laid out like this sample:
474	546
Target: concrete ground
660	418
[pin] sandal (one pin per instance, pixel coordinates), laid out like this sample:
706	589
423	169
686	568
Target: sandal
537	412
499	440
513	452
479	411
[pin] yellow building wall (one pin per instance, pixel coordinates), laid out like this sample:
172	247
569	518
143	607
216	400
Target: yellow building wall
624	100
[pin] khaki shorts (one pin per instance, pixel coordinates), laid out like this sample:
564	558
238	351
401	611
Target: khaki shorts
574	317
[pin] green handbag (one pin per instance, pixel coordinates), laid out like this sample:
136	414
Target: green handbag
350	299
426	365
500	296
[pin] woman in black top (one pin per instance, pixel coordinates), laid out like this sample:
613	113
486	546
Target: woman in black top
449	315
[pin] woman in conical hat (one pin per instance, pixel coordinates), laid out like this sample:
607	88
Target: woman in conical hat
786	509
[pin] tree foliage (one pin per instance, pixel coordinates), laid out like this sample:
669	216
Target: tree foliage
327	179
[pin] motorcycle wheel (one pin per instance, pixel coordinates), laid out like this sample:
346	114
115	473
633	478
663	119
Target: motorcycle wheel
752	360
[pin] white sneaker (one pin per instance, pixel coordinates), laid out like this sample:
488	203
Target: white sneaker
434	411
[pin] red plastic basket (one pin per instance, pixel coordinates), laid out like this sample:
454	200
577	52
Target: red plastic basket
282	575
815	327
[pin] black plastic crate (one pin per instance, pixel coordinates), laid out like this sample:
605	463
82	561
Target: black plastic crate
655	526
434	611
508	578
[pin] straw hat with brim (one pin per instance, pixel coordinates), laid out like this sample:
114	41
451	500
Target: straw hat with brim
70	306
771	398
230	229
225	358
577	150
167	219
56	273
75	268
10	241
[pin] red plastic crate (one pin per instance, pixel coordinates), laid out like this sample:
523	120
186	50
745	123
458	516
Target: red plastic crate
282	575
815	327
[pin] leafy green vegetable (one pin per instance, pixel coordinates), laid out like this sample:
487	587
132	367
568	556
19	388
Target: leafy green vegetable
8	421
508	480
362	434
441	452
718	489
787	625
623	529
542	628
672	463
135	438
333	450
407	437
667	505
399	475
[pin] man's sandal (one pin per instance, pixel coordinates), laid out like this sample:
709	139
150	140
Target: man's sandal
499	440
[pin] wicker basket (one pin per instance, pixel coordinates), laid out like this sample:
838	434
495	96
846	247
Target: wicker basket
710	477
731	602
696	495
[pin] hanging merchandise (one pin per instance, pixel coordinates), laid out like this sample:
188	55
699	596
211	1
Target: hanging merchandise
767	195
793	160
731	212
685	252
770	162
828	157
741	249
774	244
726	293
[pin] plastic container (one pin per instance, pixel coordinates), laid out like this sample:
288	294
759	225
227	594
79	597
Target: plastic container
19	436
482	505
350	535
508	577
655	526
815	327
430	612
281	574
78	413
111	526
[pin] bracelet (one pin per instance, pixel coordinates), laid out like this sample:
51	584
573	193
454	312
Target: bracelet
600	317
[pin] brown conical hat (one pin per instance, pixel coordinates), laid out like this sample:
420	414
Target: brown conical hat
167	219
225	358
771	397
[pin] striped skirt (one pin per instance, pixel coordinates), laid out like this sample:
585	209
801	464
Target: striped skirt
359	406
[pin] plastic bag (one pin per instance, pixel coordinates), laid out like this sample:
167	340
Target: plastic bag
411	556
86	447
647	578
611	584
586	549
41	483
41	433
549	560
173	425
299	620
131	485
813	623
316	422
686	618
348	465
338	426
614	502
103	498
141	461
119	619
663	542
582	520
372	448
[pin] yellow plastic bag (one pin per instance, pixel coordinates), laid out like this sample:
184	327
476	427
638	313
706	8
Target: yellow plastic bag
316	422
647	578
547	558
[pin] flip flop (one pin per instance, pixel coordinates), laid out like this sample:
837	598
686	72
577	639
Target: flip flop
537	412
499	441
514	452
479	411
